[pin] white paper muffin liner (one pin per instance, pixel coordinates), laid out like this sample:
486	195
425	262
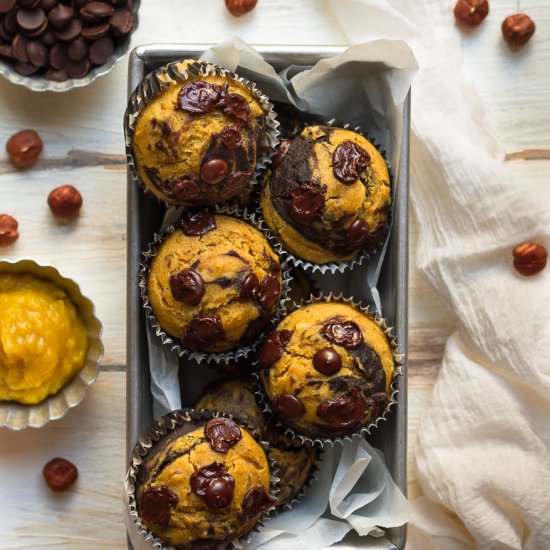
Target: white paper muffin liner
329	267
400	366
18	416
242	351
156	431
180	71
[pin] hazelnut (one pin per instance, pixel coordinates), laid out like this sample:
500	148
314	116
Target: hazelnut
518	29
8	230
65	201
529	258
24	148
240	7
471	12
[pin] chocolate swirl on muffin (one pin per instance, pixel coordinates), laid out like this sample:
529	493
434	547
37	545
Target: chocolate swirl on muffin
328	194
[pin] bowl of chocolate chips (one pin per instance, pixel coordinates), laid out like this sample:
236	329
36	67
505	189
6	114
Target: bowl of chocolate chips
57	45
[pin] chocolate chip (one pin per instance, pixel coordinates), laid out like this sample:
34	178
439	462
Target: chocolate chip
357	232
235	184
343	412
58	56
249	286
377	404
6	5
95	32
348	161
37	53
213	171
70	32
223	434
122	21
182	190
56	75
19	46
78	49
256	501
274	347
288	406
10	22
214	485
77	69
269	292
281	152
306	201
101	51
39	31
343	333
327	361
6	51
95	11
156	503
199	97
30	4
60	16
25	69
187	286
48	38
230	136
203	331
30	20
48	5
199	224
235	106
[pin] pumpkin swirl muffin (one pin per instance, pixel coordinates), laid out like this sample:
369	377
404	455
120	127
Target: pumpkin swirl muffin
327	370
214	282
294	459
203	485
197	142
327	196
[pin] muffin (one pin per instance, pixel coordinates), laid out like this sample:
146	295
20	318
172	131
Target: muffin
328	195
198	141
43	342
327	370
214	282
294	459
203	484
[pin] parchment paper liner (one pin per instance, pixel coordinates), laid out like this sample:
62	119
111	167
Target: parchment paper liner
17	416
399	359
38	83
159	428
332	267
163	77
242	351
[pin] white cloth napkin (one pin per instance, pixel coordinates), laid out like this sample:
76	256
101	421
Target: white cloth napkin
483	454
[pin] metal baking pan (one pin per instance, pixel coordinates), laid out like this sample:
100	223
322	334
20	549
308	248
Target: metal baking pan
145	216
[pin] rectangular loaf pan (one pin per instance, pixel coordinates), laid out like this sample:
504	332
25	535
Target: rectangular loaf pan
145	216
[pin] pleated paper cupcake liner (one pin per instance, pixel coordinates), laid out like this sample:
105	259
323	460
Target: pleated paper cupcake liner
399	361
329	267
18	416
239	353
180	71
137	529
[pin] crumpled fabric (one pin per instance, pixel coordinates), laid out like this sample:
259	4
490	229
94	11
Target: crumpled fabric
483	449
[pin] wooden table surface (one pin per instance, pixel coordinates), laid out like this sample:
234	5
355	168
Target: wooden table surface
82	133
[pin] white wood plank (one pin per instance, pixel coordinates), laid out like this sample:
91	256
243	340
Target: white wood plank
88	516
